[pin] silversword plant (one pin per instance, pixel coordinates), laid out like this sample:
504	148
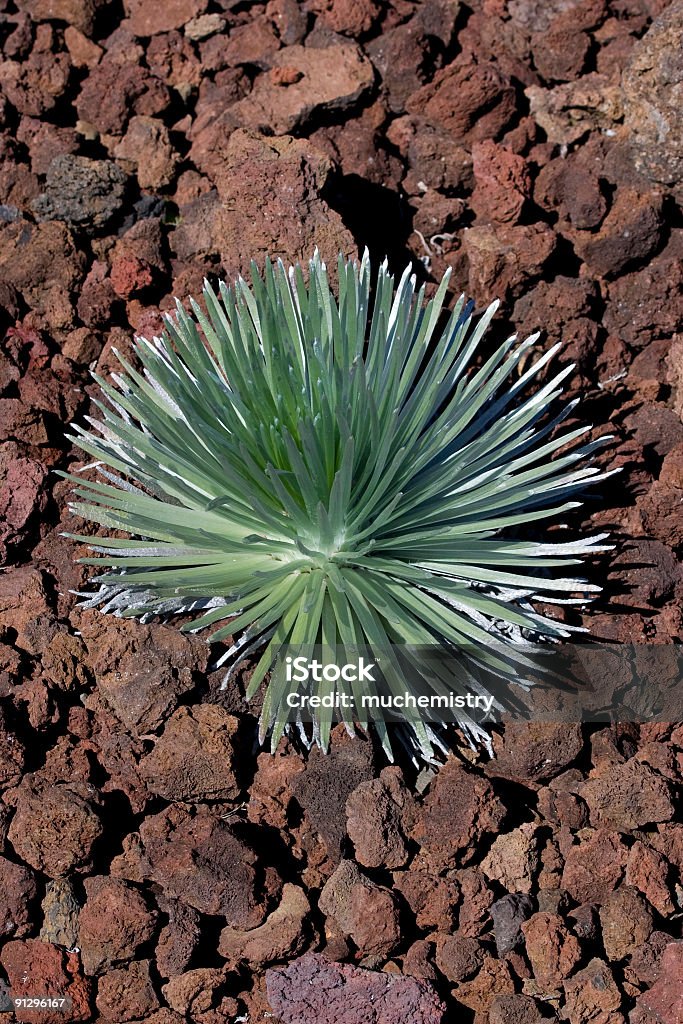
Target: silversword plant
295	469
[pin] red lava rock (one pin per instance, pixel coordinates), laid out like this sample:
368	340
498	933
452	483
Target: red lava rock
23	496
368	913
141	671
44	142
630	233
282	935
34	85
434	159
502	182
80	13
650	83
626	922
594	867
127	993
17	883
513	859
459	809
130	274
254	43
194	992
198	858
350	17
311	990
55	827
471	101
649	872
642	305
115	920
193	758
146	150
332	79
661	512
112	89
531	752
38	968
504	259
494	979
432	899
379	814
574	189
417	961
97	297
172	58
628	796
552	950
406	54
178	938
148	19
559	802
270	794
592	995
41	261
458	956
663	1002
477	900
291	174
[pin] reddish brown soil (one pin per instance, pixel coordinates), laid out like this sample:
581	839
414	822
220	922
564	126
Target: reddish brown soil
153	864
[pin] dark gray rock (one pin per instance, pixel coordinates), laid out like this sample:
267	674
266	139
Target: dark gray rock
508	915
84	193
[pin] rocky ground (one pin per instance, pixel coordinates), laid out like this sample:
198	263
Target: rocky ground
153	864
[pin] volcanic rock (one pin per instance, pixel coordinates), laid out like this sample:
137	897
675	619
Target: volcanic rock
84	193
312	990
193	758
115	920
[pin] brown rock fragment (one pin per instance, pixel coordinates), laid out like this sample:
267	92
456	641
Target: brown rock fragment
459	809
332	78
502	182
193	758
54	827
115	920
178	938
626	922
591	995
552	950
148	19
627	796
197	857
503	259
471	100
312	990
195	991
649	872
368	913
458	956
594	867
60	914
630	233
663	1002
127	993
379	813
282	935
18	888
513	858
146	150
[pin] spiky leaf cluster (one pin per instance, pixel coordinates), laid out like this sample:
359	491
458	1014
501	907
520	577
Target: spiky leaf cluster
295	468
